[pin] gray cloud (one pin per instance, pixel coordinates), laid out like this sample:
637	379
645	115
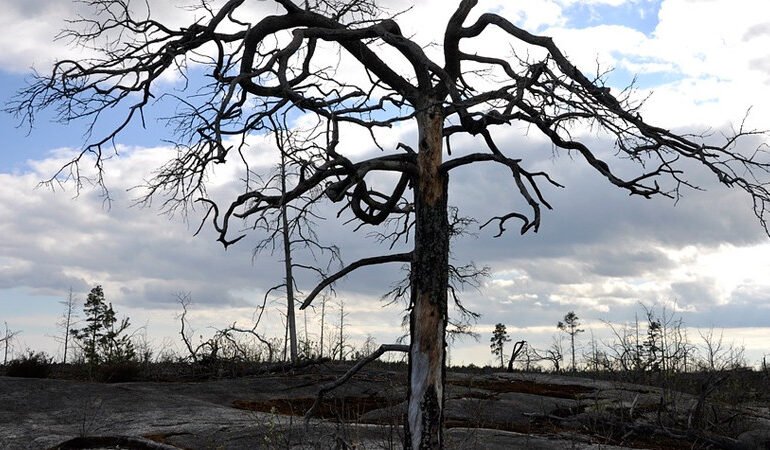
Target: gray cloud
756	31
761	65
31	26
629	260
599	252
703	292
736	314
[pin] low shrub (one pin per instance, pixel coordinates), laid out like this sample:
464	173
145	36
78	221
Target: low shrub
31	365
119	371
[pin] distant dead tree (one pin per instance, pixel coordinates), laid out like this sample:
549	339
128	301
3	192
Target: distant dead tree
554	354
324	300
657	343
223	344
518	346
6	339
339	348
283	63
291	226
719	355
65	323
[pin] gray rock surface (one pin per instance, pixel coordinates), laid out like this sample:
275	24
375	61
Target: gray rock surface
471	438
493	411
759	439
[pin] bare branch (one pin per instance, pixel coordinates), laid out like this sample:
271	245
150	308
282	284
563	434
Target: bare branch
325	389
398	257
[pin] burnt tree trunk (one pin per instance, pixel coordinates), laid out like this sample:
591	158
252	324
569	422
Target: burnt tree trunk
429	280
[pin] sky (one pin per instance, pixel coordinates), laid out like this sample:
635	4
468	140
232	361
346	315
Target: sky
600	253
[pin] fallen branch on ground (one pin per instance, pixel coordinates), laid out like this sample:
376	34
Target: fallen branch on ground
325	389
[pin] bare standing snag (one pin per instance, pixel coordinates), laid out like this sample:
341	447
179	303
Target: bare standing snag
273	62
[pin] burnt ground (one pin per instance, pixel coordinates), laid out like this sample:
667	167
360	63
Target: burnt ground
483	410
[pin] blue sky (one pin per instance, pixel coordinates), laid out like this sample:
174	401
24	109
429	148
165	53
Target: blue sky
640	15
20	144
48	134
598	253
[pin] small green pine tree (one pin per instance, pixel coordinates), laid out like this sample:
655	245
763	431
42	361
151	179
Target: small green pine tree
101	340
498	340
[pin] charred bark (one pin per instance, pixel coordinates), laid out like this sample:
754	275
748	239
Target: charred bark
430	272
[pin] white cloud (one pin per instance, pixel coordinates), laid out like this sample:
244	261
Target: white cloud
533	17
711	56
596	2
598	252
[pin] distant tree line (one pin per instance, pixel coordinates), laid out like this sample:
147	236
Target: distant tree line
95	336
657	343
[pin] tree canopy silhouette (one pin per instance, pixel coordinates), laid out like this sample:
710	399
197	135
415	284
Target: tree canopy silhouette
262	67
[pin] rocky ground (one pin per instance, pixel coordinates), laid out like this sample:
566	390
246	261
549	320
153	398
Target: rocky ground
486	411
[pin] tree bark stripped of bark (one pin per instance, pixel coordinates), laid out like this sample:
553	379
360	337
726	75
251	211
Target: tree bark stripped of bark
429	280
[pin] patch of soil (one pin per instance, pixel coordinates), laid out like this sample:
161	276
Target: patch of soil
343	408
568	391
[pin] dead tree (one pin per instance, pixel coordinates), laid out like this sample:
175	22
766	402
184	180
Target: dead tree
339	345
66	322
554	354
209	350
194	351
276	64
293	226
291	323
323	325
6	339
518	346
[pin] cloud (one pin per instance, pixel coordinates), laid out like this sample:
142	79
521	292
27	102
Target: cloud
31	27
703	292
708	61
757	31
630	261
144	255
29	32
598	252
602	252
